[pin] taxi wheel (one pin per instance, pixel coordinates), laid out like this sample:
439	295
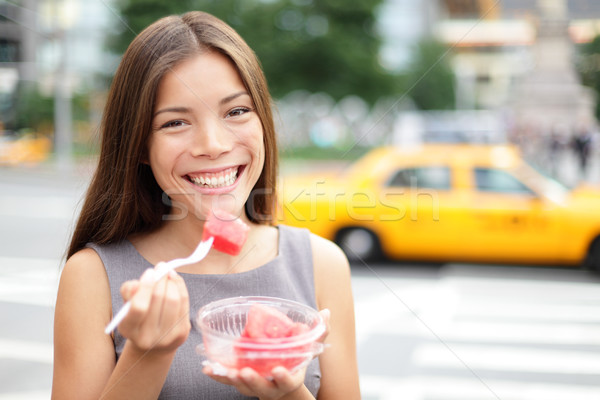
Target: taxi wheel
592	260
359	244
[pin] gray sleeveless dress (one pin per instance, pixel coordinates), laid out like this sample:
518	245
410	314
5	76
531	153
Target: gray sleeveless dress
289	275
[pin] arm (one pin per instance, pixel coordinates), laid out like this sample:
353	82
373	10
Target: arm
85	366
339	365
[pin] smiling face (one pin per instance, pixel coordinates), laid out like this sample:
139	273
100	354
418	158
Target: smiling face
206	148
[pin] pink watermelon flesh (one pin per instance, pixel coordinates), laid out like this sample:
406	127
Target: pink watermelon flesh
299	328
266	322
228	231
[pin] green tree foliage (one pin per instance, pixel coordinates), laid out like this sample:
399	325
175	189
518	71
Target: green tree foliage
589	68
34	110
314	45
430	82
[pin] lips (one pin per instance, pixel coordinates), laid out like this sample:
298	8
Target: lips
215	179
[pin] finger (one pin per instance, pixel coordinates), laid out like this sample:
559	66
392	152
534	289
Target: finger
184	309
161	269
229	378
284	380
172	309
128	289
249	381
140	302
155	311
182	289
326	315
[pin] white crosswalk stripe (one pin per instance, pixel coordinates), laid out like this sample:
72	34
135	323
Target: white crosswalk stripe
506	358
28	395
29	280
48	207
464	330
443	388
26	351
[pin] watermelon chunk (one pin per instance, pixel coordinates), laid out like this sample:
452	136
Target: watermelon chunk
298	329
264	322
228	231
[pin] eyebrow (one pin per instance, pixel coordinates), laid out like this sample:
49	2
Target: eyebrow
227	99
223	101
173	109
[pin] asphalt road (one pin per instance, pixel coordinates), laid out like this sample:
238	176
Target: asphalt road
425	332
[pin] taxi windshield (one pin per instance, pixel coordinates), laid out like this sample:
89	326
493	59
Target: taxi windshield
543	182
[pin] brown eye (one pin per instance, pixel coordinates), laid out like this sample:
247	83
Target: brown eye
174	124
236	112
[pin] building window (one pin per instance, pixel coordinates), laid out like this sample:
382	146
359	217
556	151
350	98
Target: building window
9	51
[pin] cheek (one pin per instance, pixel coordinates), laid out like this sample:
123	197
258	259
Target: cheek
257	139
155	159
251	138
258	145
251	133
162	156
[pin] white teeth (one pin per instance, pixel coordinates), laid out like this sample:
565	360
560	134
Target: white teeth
222	180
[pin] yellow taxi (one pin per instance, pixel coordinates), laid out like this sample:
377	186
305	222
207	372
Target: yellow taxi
477	203
29	149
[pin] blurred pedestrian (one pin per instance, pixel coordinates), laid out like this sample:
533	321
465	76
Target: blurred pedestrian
582	145
557	144
189	117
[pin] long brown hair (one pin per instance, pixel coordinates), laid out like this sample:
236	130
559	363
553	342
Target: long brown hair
123	196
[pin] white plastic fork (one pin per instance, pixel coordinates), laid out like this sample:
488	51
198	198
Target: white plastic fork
162	268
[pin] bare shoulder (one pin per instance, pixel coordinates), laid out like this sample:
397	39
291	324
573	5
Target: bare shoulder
84	257
84	283
331	269
327	256
84	268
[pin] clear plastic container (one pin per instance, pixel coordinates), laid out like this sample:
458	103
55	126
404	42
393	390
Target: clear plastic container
222	322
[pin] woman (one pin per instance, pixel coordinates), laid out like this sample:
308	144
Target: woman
188	129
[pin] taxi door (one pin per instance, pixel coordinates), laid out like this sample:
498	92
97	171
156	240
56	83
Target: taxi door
508	221
419	213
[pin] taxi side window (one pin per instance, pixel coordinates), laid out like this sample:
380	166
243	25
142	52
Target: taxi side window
424	177
494	180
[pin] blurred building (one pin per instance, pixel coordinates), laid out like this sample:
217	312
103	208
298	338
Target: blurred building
79	29
504	50
550	96
18	44
401	24
514	63
51	43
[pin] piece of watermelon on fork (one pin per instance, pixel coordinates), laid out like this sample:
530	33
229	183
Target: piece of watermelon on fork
228	231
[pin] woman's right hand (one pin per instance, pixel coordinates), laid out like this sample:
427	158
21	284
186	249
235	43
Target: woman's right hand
158	320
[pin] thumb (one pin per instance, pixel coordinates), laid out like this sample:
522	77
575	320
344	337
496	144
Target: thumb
129	288
325	314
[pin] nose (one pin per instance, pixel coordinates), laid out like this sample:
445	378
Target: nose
211	139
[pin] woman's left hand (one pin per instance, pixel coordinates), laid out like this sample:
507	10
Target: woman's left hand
249	383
